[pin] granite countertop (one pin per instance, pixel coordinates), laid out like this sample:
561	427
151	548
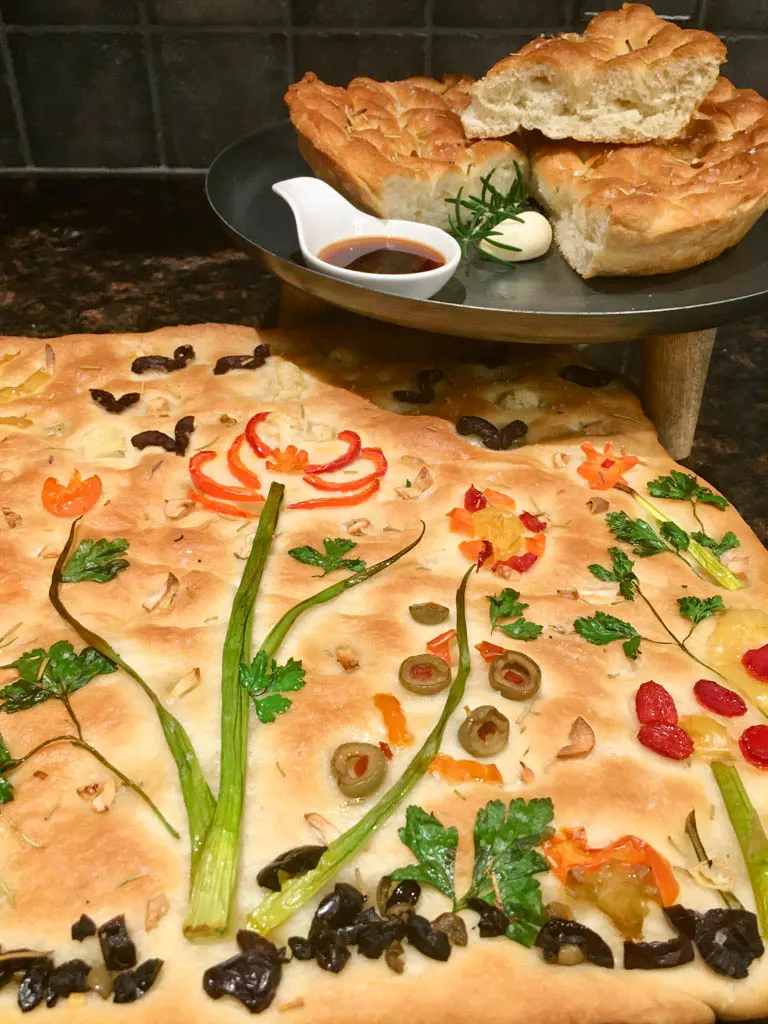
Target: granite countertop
121	254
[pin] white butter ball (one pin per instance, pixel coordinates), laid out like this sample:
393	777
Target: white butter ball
531	234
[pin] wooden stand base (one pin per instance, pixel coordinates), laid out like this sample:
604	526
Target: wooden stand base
674	372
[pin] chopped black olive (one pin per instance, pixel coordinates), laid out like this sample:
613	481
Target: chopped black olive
426	939
292	862
330	951
339	907
350	933
491	436
248	940
425	388
249	977
402	898
454	928
117	948
20	959
181	356
252	362
493	920
177	444
375	939
301	947
132	985
651	956
65	979
32	987
116	405
586	376
83	928
558	933
728	940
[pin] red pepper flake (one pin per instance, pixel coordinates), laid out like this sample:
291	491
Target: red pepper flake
673	742
719	699
489	651
654	705
754	745
521	563
474	500
532	522
486	551
756	663
386	750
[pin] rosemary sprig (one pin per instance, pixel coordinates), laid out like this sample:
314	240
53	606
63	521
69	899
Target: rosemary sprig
486	212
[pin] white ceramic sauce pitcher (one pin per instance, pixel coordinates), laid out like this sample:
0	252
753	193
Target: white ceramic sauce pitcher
323	216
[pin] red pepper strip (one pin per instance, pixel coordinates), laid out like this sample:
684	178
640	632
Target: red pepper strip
375	455
344	499
253	439
440	645
205	484
238	468
353	440
221	506
489	651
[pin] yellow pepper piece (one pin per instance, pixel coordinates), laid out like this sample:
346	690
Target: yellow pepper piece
502	528
34	382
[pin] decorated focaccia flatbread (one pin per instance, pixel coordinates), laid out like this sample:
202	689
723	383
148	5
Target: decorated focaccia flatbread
510	767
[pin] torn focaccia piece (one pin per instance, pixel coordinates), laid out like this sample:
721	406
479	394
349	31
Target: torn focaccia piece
397	149
630	77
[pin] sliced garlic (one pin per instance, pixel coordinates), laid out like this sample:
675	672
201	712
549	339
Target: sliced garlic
156	909
713	874
419	486
177	508
322	828
571	595
158	405
597	505
12	519
106	797
561	459
581	741
164	598
188	682
347	659
357	527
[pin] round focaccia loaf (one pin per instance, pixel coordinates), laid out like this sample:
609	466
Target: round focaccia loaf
630	77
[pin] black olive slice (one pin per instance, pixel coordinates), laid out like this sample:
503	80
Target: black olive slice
453	926
32	986
331	952
400	897
132	985
301	947
226	363
177	444
493	920
340	907
515	676
728	940
651	956
292	862
558	933
424	674
83	928
484	732
429	613
586	376
491	436
117	948
249	977
377	937
65	979
114	405
428	940
425	388
359	769
167	364
252	941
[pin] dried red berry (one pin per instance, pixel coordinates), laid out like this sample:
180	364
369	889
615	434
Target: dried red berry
754	745
654	705
531	522
474	500
756	663
669	741
719	699
520	562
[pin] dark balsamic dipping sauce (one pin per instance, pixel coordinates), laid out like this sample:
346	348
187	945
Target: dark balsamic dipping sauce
372	255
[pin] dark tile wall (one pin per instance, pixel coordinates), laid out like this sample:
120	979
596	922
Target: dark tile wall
163	85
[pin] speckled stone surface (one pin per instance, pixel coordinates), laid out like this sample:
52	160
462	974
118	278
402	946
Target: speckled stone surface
104	255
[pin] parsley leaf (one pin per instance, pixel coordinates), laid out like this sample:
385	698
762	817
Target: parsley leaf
6	790
335	549
643	538
96	560
674	535
728	541
684	487
64	672
699	608
505	605
265	681
435	848
5	754
602	628
506	861
522	629
621	573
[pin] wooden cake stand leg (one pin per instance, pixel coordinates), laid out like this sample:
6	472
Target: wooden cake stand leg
674	371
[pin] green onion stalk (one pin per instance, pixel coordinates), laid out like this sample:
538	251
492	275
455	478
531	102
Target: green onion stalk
695	552
279	906
214	884
215	878
198	799
749	833
691	830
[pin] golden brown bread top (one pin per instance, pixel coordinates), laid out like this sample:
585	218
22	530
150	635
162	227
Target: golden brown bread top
633	37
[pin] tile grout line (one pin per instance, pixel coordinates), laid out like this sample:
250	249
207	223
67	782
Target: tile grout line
150	65
290	51
429	26
15	93
701	12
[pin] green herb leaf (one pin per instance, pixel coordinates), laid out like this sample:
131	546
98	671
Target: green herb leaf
728	541
5	754
521	629
674	535
96	560
335	549
506	861
505	605
602	628
643	538
684	487
265	677
632	647
434	846
621	573
699	608
64	673
486	212
6	790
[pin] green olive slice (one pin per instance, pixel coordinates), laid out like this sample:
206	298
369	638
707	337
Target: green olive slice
425	674
358	768
484	732
429	613
515	676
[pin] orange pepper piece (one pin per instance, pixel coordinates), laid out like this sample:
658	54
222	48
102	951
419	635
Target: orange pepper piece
394	719
569	848
451	770
472	549
603	470
288	460
222	507
212	487
489	651
440	645
500	499
461	521
536	544
72	499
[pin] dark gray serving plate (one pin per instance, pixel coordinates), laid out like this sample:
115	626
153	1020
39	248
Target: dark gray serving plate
539	302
